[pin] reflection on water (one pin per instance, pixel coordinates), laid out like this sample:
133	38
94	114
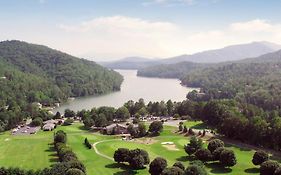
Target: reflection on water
133	88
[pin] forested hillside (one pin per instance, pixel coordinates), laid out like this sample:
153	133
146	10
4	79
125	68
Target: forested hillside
178	70
257	83
33	73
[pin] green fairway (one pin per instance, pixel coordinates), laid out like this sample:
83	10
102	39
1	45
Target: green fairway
28	152
195	124
33	152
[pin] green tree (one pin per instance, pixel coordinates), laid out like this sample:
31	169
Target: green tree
69	113
156	127
142	129
269	167
179	165
194	145
157	166
37	121
172	171
228	158
214	144
195	170
74	171
203	154
121	155
101	121
260	157
57	115
88	122
122	113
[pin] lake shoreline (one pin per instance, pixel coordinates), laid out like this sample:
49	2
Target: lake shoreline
133	88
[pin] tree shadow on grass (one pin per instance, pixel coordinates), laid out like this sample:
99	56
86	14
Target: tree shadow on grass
199	126
242	148
51	149
252	170
126	170
54	159
83	128
217	168
186	158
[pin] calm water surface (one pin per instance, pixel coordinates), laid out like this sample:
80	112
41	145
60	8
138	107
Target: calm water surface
132	88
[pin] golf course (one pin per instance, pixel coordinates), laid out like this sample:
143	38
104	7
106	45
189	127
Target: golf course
37	152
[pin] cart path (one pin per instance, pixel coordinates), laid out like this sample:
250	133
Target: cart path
99	153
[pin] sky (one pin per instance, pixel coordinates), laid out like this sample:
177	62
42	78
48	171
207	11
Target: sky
103	30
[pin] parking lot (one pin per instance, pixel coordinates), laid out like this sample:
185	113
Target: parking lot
25	130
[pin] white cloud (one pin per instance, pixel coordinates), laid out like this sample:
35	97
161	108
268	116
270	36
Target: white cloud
178	2
120	36
256	25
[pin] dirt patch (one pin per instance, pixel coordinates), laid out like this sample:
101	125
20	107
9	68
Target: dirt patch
146	141
171	147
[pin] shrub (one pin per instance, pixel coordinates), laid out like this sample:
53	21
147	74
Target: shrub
121	155
184	129
156	127
197	163
179	165
172	171
214	144
190	131
259	157
74	171
60	136
37	122
137	158
217	153
228	158
203	154
195	170
137	162
193	145
87	143
157	166
68	121
269	167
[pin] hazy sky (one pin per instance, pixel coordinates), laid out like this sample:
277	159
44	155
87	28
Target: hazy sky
112	29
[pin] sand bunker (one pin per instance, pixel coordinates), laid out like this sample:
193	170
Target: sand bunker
170	146
146	141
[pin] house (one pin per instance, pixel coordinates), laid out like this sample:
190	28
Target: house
50	122
49	127
115	129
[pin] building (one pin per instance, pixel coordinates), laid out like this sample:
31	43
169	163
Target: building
49	127
115	129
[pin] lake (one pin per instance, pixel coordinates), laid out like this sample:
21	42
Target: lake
132	88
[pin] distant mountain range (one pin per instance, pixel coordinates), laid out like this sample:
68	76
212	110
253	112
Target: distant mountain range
229	53
130	63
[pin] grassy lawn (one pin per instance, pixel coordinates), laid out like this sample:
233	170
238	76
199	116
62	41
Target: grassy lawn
28	152
33	152
195	124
